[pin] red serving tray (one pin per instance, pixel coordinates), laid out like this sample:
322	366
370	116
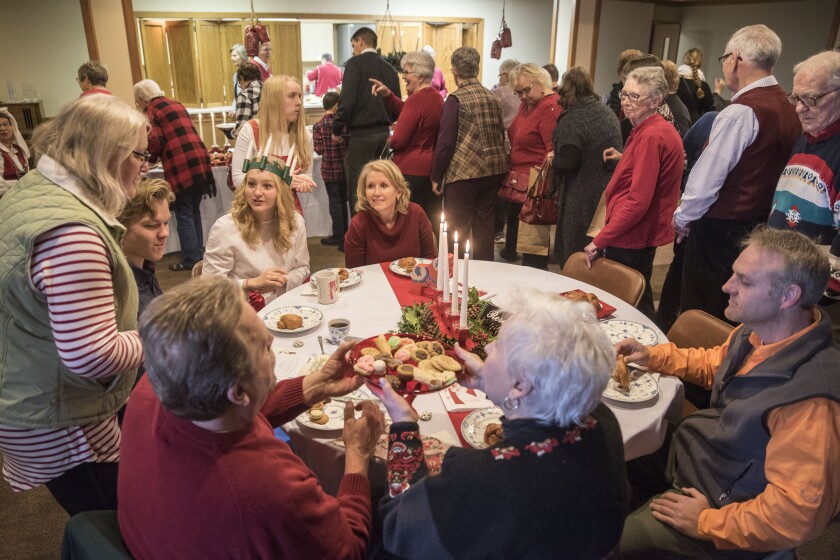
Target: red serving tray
606	308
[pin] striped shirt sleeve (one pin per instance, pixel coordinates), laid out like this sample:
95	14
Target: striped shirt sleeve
71	267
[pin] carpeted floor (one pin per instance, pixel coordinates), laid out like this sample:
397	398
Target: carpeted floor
32	524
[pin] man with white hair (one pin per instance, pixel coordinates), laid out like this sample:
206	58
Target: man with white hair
756	472
808	193
186	165
731	187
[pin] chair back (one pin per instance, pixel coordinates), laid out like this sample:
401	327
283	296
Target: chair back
698	329
93	535
196	270
621	281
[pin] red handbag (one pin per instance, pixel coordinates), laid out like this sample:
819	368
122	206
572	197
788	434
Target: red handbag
540	209
514	188
496	49
504	34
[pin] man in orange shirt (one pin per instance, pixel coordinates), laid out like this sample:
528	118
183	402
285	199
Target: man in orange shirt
756	472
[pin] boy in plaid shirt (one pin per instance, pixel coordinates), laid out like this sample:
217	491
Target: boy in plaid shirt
332	169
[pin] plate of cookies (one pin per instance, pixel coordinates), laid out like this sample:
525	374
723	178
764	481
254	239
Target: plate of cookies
293	318
630	385
602	309
405	265
411	363
347	277
326	416
482	428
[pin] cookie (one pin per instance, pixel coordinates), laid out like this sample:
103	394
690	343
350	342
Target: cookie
405	372
318	417
419	354
382	344
445	362
369	351
436	348
362	371
402	355
393	363
394	342
379	366
426	364
393	380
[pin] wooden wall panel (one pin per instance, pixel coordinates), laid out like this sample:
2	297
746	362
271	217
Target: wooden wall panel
156	65
212	68
232	32
445	40
285	48
182	57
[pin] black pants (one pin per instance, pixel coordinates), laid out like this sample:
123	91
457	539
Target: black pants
86	487
337	195
422	194
512	233
641	260
360	150
470	206
670	299
501	214
713	245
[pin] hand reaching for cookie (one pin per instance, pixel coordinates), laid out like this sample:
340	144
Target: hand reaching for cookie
398	408
473	366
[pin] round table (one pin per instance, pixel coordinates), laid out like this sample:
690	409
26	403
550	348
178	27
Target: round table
372	309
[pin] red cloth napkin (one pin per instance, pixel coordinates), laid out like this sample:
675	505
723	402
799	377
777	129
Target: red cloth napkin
456	418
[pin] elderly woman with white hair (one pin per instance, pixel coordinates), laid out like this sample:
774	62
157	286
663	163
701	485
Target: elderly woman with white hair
554	485
416	130
14	153
68	314
643	192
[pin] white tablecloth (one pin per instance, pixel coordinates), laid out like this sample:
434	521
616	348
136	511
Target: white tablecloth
372	308
315	207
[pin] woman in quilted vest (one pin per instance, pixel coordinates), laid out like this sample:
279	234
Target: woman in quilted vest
69	350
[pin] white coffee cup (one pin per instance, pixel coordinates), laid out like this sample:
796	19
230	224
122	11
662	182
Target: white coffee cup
338	330
326	283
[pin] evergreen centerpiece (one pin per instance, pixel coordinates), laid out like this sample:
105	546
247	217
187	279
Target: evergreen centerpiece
483	326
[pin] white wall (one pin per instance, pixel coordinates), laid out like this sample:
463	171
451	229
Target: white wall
624	25
565	19
529	20
802	26
43	43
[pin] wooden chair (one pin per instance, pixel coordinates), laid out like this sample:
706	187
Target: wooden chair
698	329
621	281
196	270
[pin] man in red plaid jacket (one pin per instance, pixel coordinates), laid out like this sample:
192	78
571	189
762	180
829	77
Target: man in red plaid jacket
186	165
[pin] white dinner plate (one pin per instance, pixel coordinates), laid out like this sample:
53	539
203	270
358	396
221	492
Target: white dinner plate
354	278
311	318
334	411
396	269
642	389
474	424
619	329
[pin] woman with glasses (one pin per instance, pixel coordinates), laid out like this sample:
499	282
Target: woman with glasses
69	350
643	192
416	130
530	136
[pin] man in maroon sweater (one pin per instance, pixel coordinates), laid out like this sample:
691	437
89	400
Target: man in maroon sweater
201	473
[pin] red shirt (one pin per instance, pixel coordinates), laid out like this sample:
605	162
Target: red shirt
174	139
327	76
186	492
368	241
531	131
416	130
642	194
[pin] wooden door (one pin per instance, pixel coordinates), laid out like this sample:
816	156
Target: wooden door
212	67
469	36
445	39
285	48
155	58
231	33
664	40
182	54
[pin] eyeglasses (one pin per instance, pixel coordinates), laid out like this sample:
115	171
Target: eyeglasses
808	100
523	91
409	72
633	97
727	55
142	157
503	74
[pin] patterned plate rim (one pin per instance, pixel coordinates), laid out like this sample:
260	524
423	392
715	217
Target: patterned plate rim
395	267
354	278
470	419
621	397
291	309
303	418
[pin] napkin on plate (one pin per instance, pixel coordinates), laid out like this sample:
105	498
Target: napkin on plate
457	398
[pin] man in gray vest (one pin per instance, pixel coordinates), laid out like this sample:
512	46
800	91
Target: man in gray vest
756	472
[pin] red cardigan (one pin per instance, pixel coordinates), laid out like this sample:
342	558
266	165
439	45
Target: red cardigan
186	492
416	130
531	132
367	241
643	192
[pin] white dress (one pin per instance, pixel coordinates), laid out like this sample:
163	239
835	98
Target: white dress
245	148
227	254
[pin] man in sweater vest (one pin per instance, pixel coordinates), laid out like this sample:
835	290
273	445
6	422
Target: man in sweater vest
363	114
756	472
731	187
808	193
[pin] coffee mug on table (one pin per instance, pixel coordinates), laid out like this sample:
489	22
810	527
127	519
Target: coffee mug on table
338	330
326	282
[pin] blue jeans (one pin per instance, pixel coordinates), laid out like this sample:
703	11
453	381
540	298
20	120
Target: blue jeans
187	210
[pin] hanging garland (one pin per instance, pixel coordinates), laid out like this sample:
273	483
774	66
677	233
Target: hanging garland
255	35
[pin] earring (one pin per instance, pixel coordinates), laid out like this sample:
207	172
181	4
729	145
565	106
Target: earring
510	403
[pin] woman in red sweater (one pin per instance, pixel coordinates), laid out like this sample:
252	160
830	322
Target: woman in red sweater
416	130
387	226
530	135
642	195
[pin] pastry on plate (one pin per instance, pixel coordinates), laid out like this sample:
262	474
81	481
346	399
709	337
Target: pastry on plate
493	433
621	374
407	263
290	321
343	274
318	417
589	298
